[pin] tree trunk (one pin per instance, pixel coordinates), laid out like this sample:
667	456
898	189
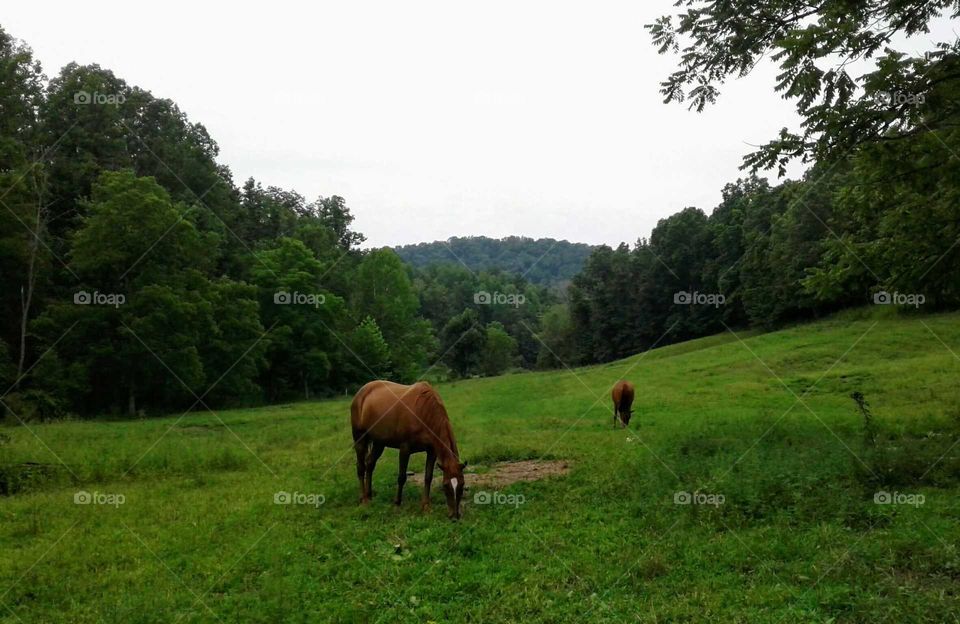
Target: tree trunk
26	294
131	399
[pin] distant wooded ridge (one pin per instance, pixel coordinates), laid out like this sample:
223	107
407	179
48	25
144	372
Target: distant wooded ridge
544	261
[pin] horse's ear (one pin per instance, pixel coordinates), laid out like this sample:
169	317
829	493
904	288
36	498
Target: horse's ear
463	465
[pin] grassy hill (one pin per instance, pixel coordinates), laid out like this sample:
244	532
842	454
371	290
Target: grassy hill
758	431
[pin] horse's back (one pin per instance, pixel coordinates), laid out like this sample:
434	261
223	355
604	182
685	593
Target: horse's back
372	401
623	392
386	410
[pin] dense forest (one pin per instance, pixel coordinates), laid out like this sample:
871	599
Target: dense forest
542	261
139	278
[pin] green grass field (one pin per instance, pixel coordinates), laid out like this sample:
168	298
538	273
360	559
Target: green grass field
759	429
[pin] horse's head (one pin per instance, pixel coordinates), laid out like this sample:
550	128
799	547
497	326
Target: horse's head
625	417
453	487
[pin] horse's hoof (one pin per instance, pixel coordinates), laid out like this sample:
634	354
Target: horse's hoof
396	502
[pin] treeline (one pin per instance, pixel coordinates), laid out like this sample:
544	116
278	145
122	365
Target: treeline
542	261
138	278
881	227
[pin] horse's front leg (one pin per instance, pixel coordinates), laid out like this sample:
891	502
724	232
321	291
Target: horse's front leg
427	479
402	477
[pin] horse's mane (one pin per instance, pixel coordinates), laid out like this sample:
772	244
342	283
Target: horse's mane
430	404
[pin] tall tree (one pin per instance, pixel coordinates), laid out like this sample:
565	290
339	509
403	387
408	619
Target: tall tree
370	350
333	213
306	322
383	291
132	327
900	96
558	346
24	205
462	341
499	351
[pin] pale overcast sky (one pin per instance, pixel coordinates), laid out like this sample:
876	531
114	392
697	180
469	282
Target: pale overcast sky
433	119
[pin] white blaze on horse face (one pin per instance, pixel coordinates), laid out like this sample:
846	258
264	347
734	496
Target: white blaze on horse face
454	483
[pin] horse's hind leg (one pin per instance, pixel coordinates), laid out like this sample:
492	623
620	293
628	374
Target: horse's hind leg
402	476
376	450
360	444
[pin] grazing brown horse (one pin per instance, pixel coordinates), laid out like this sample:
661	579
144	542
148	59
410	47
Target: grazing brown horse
622	402
411	419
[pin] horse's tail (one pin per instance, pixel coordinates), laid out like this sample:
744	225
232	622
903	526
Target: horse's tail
356	412
626	398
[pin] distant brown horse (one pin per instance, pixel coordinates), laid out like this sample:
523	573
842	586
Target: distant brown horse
413	420
622	402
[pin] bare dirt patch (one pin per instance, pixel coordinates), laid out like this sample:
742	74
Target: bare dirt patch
503	474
